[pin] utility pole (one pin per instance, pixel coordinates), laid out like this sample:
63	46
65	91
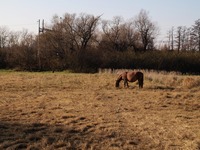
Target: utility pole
40	30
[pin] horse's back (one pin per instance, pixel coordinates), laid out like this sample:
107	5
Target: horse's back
133	76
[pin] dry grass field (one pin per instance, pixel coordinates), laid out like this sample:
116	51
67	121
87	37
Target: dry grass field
85	111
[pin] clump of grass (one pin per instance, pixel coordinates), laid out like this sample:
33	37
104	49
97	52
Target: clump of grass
190	82
162	78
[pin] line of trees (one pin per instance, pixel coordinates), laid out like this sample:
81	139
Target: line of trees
185	38
84	43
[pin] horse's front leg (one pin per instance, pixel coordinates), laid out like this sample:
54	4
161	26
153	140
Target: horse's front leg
126	83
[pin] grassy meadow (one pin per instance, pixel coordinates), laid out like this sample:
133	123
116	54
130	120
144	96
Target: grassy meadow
65	110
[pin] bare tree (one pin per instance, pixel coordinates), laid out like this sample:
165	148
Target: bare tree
72	32
85	28
69	37
184	39
196	33
121	35
191	40
178	37
4	34
146	28
80	30
112	30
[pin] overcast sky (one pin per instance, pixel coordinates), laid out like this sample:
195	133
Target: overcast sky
24	14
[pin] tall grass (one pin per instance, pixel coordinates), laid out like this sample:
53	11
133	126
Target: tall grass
160	79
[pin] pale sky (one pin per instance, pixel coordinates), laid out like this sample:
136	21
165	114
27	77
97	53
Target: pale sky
24	14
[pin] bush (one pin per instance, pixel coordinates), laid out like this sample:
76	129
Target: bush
90	60
185	62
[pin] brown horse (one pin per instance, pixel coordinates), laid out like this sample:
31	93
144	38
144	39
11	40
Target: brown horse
130	77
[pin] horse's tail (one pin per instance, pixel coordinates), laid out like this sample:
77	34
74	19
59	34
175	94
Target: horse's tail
141	80
118	80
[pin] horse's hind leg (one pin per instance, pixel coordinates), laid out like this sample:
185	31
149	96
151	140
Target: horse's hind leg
140	84
142	81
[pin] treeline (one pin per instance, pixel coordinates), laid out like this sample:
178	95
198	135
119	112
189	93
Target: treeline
184	38
84	43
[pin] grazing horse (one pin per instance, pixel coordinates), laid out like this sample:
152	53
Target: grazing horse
130	77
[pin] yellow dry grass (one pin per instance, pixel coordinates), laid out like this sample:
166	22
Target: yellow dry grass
85	111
